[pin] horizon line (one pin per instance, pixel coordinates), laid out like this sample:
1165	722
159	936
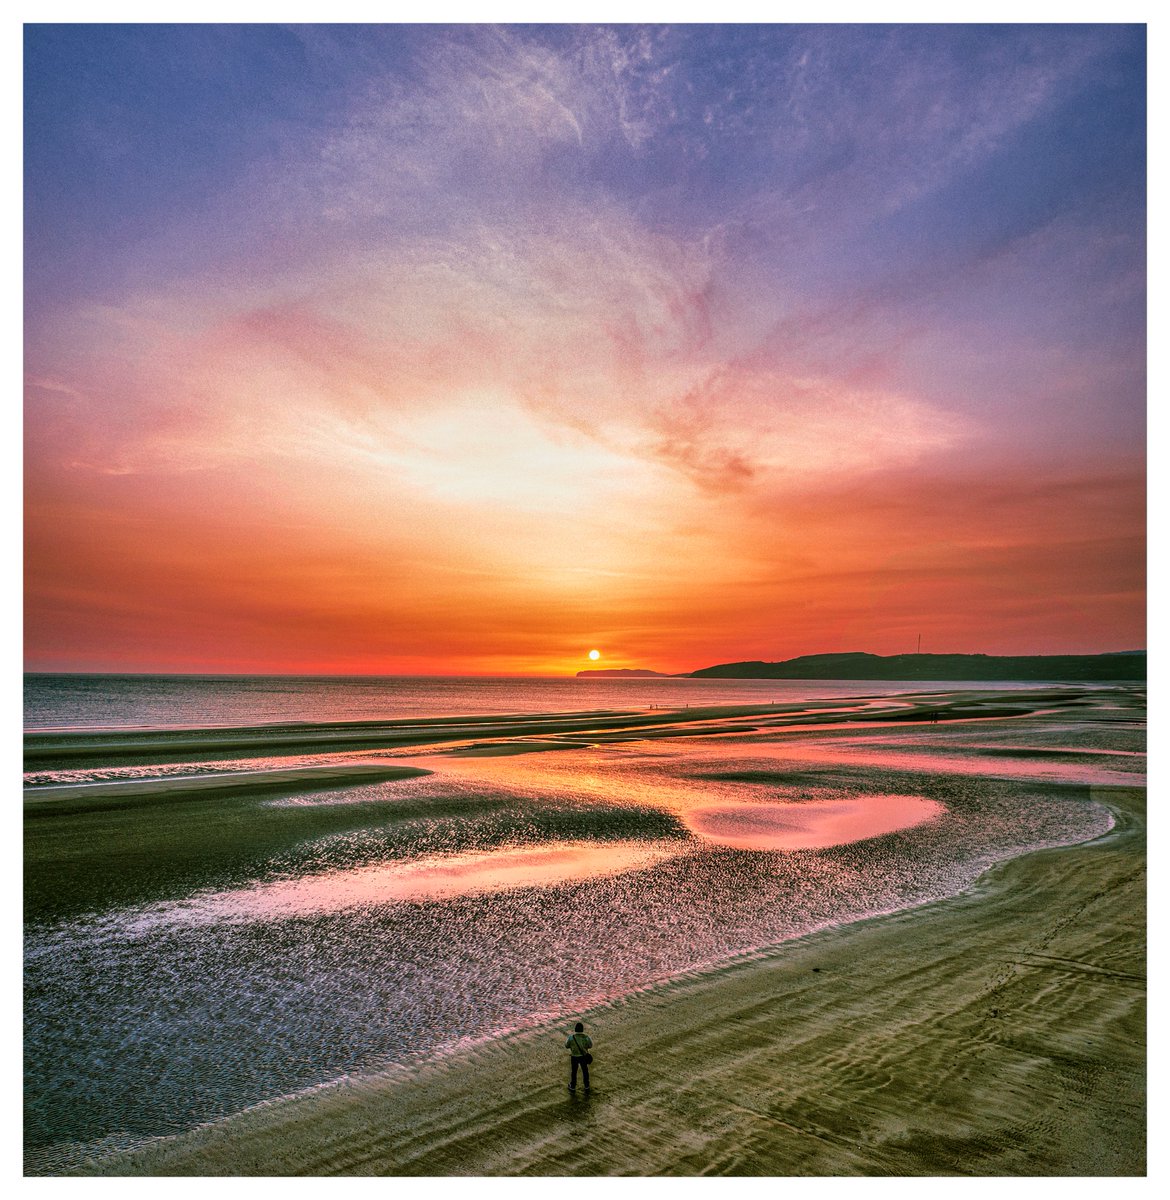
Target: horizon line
570	674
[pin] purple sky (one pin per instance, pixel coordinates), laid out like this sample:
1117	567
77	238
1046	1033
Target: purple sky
467	348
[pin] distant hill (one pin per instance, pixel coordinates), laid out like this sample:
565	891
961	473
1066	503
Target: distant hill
625	672
1080	668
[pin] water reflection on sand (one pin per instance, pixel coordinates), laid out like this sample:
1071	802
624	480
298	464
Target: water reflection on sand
743	825
497	890
814	825
416	880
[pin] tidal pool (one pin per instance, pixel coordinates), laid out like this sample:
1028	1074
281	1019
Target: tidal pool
433	878
809	825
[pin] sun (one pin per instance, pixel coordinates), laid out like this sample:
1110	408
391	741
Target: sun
595	654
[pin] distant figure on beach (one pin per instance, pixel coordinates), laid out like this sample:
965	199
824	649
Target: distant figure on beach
577	1044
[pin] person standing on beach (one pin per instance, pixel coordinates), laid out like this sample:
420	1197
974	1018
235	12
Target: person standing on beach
578	1044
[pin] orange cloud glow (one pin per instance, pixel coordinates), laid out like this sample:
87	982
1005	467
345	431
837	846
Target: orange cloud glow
552	342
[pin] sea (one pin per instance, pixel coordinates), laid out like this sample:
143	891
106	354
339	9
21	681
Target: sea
64	701
345	930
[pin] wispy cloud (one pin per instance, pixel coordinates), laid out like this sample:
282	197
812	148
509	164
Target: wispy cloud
674	284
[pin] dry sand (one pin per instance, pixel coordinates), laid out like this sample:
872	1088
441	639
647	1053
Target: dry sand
1000	1032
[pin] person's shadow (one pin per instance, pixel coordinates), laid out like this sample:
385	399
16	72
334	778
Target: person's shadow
579	1105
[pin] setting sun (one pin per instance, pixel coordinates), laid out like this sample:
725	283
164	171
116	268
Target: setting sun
594	654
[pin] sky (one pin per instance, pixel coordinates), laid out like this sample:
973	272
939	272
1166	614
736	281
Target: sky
469	349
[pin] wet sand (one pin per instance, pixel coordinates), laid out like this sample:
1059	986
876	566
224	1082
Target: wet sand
88	797
999	1032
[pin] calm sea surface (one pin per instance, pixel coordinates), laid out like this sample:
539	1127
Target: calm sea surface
169	701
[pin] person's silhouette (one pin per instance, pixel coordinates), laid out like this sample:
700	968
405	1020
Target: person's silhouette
578	1044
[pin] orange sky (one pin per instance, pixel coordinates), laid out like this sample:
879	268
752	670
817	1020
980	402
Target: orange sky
504	353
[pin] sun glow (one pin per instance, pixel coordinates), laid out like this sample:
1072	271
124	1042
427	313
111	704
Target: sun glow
505	346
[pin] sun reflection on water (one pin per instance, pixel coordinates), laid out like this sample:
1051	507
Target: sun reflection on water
421	879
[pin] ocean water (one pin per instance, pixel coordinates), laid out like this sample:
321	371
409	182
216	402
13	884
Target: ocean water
499	890
174	701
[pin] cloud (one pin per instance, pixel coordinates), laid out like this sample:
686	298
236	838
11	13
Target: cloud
451	233
487	112
592	324
657	321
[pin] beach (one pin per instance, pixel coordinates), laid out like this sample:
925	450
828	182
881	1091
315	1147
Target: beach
893	936
1001	1032
639	523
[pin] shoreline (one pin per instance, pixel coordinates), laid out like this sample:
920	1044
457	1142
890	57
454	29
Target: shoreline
922	1041
137	748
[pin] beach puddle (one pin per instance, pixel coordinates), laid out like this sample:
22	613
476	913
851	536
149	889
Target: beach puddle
811	824
435	878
